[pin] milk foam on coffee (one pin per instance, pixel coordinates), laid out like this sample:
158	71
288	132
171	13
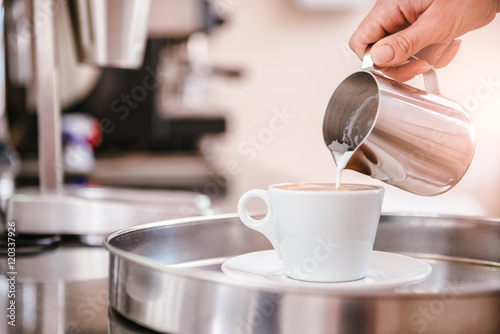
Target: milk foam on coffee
323	187
342	152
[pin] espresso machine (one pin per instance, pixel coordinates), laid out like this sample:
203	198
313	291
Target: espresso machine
143	64
66	62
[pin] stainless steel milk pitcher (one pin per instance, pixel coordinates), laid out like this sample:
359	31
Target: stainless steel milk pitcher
414	139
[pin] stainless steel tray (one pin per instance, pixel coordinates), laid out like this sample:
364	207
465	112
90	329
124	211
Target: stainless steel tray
97	211
166	276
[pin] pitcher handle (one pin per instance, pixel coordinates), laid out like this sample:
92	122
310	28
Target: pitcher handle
431	83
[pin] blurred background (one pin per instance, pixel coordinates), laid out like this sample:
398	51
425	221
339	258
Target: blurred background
294	57
231	97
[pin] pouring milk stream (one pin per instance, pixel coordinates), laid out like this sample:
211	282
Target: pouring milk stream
342	152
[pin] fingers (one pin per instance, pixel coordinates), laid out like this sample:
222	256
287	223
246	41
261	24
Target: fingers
397	33
434	56
433	53
449	54
368	32
398	29
407	71
391	52
382	20
441	54
397	48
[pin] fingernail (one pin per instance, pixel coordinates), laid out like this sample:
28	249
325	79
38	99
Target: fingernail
439	50
422	70
453	49
382	54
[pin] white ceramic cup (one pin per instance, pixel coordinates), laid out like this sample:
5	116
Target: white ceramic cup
322	234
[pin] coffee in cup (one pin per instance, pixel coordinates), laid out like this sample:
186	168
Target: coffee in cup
323	187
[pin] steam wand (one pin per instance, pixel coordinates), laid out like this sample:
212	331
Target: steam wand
9	159
48	105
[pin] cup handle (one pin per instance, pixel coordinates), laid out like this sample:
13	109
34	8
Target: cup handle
431	83
264	225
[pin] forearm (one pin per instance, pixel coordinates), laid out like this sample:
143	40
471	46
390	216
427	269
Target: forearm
498	6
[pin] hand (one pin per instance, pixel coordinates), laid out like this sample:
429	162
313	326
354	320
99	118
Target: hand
427	29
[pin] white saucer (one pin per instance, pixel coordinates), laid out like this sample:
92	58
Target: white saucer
385	271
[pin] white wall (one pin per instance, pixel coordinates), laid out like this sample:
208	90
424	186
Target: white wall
293	61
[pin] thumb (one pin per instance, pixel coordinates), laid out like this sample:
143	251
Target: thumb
399	47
